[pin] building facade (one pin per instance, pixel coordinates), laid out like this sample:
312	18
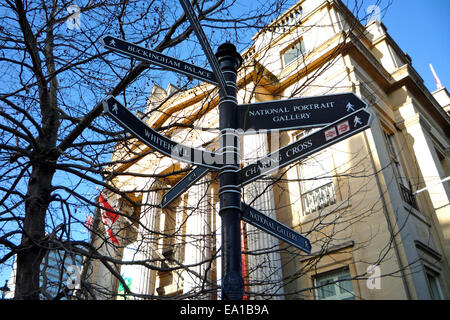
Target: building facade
60	274
374	206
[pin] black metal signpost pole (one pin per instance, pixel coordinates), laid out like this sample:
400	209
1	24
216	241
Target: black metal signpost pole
230	193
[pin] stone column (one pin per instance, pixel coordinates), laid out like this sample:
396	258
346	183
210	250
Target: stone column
145	247
431	171
415	283
264	270
100	277
198	241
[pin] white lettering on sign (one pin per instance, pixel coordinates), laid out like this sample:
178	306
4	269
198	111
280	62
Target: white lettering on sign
290	113
170	62
299	148
251	171
154	56
314	106
194	70
275	228
262	220
291	109
157	140
265	164
291	117
268	163
287	233
264	112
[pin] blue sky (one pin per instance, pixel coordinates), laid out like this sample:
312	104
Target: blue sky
422	29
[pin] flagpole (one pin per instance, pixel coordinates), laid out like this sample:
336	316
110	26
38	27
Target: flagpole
436	79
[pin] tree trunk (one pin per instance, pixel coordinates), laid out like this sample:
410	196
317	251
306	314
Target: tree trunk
33	243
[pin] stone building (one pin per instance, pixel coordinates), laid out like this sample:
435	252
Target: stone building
374	206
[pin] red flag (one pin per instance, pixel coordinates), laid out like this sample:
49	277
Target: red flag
109	218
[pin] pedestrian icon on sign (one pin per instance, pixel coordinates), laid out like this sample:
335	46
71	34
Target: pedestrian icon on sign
114	108
350	107
356	121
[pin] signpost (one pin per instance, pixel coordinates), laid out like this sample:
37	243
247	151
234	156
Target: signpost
316	141
343	115
229	192
154	57
278	230
298	113
156	141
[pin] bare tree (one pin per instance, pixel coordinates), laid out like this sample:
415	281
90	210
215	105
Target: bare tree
55	146
171	239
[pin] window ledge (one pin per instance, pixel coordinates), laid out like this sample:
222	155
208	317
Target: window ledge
333	208
416	213
331	249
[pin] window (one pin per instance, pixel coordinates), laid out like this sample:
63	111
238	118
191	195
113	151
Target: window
293	52
316	180
405	187
336	285
435	289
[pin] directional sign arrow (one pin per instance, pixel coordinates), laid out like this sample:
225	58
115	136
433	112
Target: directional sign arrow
156	141
298	113
275	228
159	59
316	141
182	185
